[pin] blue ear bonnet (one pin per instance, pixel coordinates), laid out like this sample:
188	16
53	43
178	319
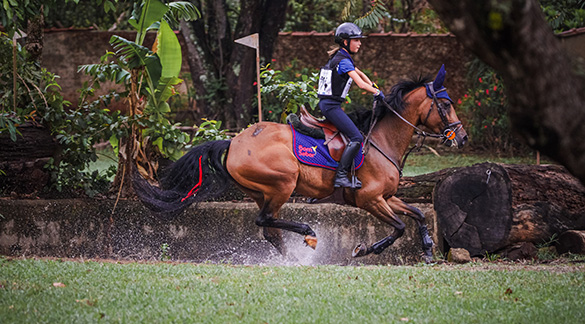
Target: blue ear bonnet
438	85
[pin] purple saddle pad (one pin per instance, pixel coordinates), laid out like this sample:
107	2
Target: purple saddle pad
311	151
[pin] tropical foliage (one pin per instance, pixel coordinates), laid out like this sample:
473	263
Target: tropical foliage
377	15
149	78
16	14
283	92
35	98
564	14
371	18
85	14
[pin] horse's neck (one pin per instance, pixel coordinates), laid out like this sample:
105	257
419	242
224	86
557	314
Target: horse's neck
393	134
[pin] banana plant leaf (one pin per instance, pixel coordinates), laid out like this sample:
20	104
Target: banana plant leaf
169	51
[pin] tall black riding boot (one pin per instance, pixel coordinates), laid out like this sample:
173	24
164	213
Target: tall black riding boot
341	177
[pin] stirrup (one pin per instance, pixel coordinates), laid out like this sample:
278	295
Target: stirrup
355	183
342	180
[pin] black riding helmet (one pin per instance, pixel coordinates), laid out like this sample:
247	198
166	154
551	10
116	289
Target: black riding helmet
347	31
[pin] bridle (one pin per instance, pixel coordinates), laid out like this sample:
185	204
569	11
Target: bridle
450	130
447	135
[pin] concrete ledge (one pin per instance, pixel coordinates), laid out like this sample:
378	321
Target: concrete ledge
215	232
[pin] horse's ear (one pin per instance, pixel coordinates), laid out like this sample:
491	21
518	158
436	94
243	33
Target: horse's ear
439	79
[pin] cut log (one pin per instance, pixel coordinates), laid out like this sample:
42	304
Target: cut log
488	206
571	241
520	251
22	162
419	189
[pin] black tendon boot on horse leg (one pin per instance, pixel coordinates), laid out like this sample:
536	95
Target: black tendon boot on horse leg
427	243
341	175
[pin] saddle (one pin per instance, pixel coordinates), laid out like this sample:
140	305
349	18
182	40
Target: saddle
334	139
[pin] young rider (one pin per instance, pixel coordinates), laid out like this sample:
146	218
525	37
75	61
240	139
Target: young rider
334	81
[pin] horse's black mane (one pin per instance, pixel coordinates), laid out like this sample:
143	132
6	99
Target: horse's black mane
362	117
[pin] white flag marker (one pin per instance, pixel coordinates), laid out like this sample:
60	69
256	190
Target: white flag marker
253	42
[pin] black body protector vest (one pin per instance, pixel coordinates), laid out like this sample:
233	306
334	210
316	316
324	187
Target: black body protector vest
332	85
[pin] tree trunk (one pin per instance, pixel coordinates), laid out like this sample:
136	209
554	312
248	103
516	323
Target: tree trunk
241	73
489	206
546	97
419	189
228	72
129	147
196	69
34	38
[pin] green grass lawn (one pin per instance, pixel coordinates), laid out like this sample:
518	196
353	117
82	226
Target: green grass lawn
53	291
427	162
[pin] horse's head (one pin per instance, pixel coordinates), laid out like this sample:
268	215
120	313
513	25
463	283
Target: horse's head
441	117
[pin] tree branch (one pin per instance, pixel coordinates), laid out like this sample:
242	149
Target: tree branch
546	97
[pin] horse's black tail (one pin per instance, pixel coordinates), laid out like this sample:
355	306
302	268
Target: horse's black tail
197	176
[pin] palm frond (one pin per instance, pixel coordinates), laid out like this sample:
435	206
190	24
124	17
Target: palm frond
135	55
372	17
346	12
105	71
181	10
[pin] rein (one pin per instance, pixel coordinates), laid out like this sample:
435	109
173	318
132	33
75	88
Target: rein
447	135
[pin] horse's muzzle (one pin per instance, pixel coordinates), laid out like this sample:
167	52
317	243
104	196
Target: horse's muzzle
455	138
463	141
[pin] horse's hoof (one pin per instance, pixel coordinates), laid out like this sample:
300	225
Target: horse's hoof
359	250
428	257
311	241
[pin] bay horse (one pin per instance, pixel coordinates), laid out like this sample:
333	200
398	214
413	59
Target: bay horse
261	162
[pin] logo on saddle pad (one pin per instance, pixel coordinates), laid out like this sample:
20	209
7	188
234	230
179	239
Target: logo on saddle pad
311	151
307	151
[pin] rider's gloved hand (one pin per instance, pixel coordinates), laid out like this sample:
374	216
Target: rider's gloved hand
379	96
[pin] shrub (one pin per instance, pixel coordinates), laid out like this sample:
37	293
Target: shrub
486	108
284	91
37	99
281	96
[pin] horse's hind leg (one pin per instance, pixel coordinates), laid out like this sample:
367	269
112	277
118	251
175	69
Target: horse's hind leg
272	235
272	226
267	218
400	207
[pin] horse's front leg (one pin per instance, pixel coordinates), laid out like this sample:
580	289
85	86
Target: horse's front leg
381	210
400	207
378	247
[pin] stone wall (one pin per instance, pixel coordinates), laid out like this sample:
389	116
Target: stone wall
215	232
391	56
65	50
388	56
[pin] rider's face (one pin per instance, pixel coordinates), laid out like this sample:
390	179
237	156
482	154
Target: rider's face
354	45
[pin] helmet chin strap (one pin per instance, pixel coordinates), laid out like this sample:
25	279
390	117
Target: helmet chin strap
346	47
